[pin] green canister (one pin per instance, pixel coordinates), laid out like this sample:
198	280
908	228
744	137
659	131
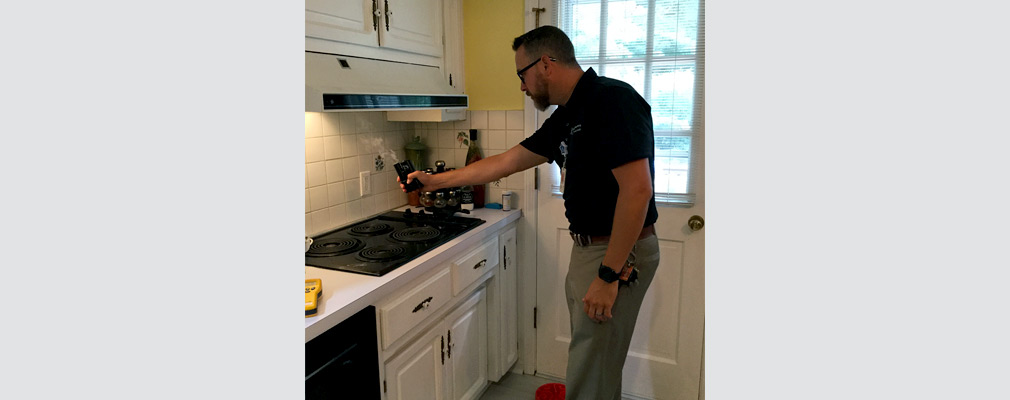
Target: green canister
415	151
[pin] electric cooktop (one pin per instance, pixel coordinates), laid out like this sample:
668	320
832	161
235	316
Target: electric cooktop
384	242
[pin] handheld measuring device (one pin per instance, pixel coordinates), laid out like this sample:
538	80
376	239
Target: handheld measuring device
313	292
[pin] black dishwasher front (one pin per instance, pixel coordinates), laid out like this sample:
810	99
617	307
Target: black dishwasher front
343	362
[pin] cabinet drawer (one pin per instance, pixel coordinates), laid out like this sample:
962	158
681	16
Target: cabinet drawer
471	266
406	311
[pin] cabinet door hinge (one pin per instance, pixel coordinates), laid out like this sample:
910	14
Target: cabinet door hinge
536	178
443	349
534	318
383	386
448	348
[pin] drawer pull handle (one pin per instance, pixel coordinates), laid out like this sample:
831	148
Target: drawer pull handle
480	264
424	305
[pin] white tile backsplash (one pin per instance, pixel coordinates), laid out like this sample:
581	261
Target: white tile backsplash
496	139
350	167
514	119
330	123
318	199
348	123
446	138
336	193
513	138
496	119
331	147
340	145
338	215
317	174
334	171
352	188
313	127
314	150
478	119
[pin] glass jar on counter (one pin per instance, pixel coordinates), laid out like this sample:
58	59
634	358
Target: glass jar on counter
453	199
440	201
427	199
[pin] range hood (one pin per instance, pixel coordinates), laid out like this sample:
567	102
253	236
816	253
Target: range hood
344	83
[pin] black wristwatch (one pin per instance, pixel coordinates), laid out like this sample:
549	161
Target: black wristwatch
607	274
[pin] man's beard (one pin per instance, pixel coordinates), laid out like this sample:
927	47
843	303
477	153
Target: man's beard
541	101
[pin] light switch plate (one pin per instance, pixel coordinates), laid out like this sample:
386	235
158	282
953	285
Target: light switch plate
365	179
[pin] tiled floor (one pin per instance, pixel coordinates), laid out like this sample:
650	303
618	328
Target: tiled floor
514	387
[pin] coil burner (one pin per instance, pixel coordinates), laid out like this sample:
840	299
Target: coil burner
334	247
382	253
371	229
417	234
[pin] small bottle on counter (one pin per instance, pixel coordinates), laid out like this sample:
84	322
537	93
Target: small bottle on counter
466	197
506	200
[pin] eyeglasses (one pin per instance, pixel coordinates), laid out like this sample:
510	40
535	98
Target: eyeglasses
520	72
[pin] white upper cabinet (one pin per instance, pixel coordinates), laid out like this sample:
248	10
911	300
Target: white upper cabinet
413	26
342	21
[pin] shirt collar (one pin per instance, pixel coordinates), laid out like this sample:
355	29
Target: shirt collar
581	89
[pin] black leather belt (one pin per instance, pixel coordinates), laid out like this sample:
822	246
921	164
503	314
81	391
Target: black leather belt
586	240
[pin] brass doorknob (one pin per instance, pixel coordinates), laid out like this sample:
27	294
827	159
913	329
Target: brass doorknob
696	223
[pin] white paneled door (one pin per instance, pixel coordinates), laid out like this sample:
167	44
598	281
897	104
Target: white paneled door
665	359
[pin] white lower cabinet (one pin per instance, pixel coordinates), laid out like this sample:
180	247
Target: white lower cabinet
467	345
454	329
449	361
509	304
503	329
418	372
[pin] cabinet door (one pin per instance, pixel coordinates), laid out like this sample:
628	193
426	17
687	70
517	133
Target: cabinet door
453	46
418	373
412	25
342	21
467	338
509	317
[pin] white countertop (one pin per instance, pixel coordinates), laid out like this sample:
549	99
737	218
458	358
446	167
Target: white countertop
346	293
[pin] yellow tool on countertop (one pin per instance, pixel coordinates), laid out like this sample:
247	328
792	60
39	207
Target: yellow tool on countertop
313	292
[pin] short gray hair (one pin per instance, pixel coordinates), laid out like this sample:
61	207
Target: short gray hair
547	40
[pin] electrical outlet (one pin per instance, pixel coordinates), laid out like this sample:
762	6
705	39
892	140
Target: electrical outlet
365	179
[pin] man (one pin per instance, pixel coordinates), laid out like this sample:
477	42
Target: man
601	137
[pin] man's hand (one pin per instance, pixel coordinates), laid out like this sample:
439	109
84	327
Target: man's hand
599	300
410	178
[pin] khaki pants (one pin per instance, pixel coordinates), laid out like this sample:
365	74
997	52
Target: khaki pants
598	350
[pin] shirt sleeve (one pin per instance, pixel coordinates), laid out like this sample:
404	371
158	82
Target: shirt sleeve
627	127
544	141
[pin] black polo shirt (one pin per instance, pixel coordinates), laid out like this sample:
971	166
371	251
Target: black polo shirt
605	124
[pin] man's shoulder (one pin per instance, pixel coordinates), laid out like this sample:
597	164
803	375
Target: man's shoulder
613	92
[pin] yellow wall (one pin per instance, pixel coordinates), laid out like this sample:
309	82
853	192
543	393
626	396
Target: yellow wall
489	26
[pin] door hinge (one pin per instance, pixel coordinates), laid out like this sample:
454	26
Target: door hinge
443	349
536	178
383	386
448	349
534	318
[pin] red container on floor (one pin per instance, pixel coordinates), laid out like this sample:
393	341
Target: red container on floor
551	391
